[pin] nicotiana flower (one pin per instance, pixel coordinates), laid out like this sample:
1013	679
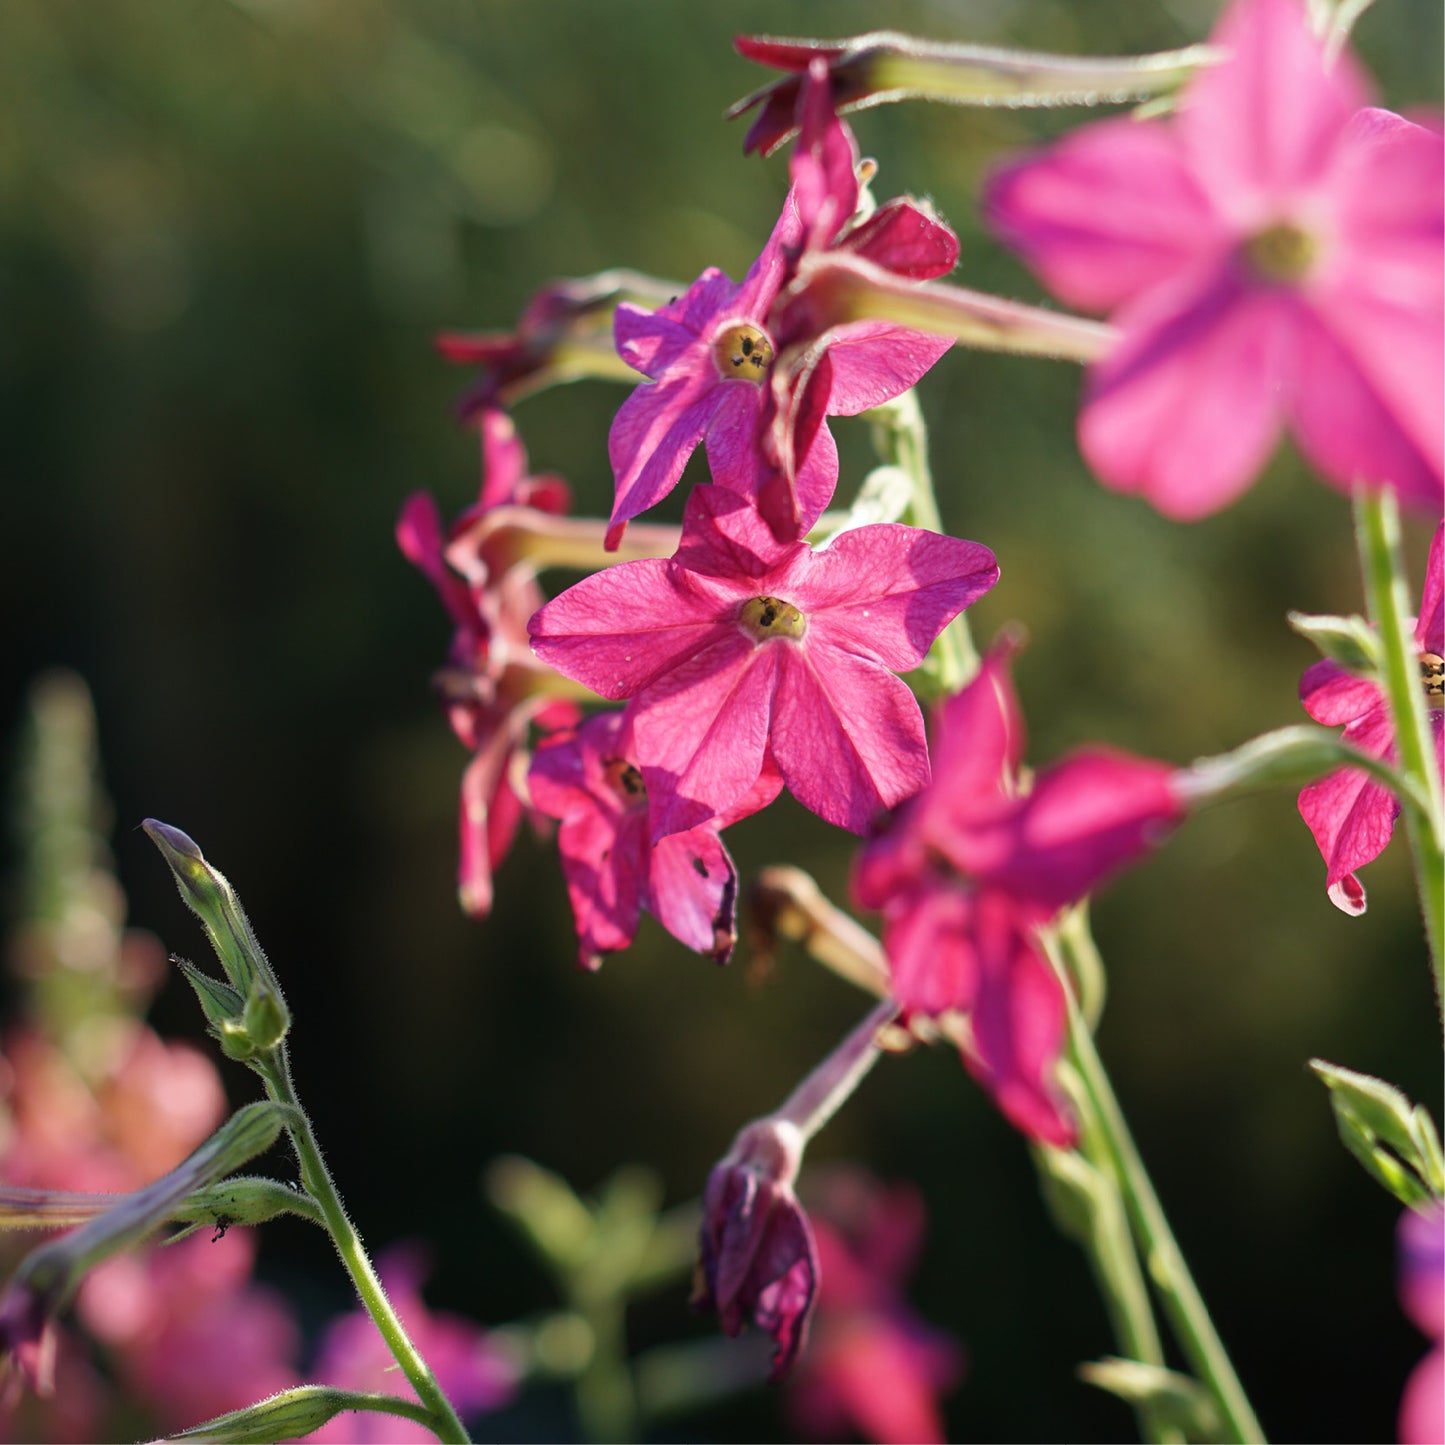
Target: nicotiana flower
872	1367
1272	257
711	354
758	1262
1421	1251
742	648
966	871
1349	813
588	779
471	1369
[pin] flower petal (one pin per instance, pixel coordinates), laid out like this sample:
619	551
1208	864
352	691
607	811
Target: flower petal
692	891
656	430
1333	696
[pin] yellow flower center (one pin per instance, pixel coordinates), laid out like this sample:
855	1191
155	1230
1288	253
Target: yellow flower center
624	780
744	351
765	617
1432	674
1281	253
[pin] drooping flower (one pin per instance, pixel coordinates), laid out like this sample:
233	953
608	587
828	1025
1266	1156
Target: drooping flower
713	354
1421	1252
588	779
966	871
872	1367
1272	258
742	648
473	1372
758	1262
1350	814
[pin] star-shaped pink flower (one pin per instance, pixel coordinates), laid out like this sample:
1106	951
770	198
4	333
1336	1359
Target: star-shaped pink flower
1350	814
1272	257
589	780
969	868
711	354
742	648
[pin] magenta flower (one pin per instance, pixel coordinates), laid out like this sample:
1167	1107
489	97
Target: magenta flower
1272	258
1350	814
872	1368
474	1373
743	648
492	688
589	780
1421	1250
712	353
968	869
758	1261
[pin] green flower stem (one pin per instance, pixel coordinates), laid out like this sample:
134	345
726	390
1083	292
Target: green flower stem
441	1419
1377	529
1182	1302
900	437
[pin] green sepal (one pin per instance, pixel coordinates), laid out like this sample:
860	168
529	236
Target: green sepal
1393	1139
219	1001
235	1041
244	1199
1349	641
293	1413
1171	1398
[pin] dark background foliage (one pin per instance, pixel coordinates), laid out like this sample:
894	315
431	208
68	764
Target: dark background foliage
227	234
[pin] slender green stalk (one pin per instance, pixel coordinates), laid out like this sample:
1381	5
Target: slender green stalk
900	436
441	1418
1182	1302
1377	529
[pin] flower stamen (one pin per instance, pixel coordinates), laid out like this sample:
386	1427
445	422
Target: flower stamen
765	617
744	351
1281	253
1432	674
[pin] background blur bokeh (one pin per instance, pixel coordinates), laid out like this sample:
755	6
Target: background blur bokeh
228	232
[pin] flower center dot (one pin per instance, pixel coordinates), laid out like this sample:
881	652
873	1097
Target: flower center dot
743	351
1432	674
1281	253
624	780
766	617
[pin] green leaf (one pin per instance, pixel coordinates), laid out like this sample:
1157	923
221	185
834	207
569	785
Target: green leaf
1174	1399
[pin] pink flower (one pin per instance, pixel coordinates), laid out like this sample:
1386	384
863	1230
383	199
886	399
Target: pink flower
193	1334
473	1374
589	780
711	354
1351	815
968	869
872	1367
1421	1241
743	648
1272	257
758	1261
492	688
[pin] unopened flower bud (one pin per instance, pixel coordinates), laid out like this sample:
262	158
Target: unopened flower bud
285	1416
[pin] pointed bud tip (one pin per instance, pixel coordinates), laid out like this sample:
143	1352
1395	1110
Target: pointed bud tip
171	841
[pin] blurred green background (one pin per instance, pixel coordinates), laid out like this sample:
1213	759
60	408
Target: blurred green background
228	232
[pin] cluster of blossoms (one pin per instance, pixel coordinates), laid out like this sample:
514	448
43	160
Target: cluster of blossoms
1268	256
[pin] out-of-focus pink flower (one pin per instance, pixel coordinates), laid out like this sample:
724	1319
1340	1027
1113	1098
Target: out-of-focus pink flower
758	1261
1421	1242
474	1375
1272	257
871	1367
966	871
721	355
564	334
194	1337
589	780
1350	814
743	648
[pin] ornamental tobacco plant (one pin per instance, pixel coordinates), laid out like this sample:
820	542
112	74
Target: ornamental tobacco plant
1267	251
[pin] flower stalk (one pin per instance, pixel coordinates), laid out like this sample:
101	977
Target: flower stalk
1377	530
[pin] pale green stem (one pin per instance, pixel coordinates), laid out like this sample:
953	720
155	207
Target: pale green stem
1377	528
441	1419
900	437
1182	1302
830	1085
